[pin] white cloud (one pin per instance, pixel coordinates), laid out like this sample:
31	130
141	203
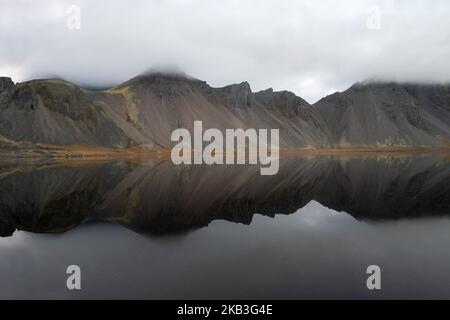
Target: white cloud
310	47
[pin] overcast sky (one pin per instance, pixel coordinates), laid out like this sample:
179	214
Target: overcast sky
312	48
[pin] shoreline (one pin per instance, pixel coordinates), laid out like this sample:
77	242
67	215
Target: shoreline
91	153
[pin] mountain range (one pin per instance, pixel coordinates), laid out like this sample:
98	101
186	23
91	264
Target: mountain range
42	115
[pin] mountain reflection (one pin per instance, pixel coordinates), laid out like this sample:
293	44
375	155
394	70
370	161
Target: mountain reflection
156	197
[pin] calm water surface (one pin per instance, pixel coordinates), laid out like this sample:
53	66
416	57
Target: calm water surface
150	229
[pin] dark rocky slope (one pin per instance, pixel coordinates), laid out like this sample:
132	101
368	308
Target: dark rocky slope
156	104
388	115
55	112
146	109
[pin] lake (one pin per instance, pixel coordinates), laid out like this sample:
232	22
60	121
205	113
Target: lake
147	229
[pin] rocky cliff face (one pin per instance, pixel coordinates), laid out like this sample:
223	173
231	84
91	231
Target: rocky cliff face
388	114
146	109
156	104
55	112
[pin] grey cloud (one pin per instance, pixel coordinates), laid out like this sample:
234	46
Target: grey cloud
310	47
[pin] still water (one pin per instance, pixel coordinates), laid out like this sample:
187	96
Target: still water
151	230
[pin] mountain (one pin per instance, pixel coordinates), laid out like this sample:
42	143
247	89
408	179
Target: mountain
388	115
41	115
55	112
149	107
146	109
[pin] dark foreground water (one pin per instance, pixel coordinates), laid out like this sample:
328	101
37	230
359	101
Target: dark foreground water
149	229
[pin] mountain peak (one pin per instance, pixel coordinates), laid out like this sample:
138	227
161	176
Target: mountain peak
239	88
5	83
161	75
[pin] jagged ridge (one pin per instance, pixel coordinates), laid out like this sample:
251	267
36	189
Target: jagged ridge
145	110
